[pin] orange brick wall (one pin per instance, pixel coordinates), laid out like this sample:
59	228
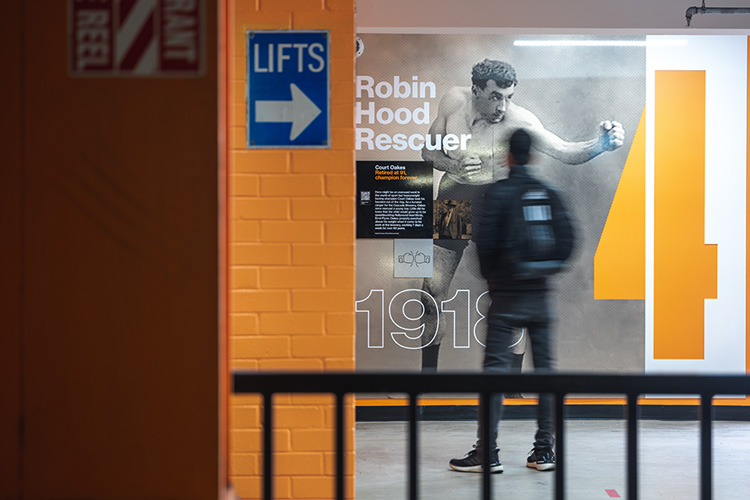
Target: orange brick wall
291	261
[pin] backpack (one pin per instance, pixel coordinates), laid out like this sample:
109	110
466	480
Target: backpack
539	236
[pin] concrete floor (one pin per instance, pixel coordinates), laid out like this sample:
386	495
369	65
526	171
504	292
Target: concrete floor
595	461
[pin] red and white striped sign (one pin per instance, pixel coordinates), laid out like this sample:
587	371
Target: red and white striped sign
136	37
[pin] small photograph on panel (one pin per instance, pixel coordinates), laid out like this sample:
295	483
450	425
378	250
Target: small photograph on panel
451	220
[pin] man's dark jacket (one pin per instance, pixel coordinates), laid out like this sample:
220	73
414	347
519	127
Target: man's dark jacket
500	218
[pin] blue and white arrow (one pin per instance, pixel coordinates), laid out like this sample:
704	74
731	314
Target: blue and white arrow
300	111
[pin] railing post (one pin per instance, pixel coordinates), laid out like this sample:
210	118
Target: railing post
560	445
632	446
484	409
706	462
413	449
340	448
268	445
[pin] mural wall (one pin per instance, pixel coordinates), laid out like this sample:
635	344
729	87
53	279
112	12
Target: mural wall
657	281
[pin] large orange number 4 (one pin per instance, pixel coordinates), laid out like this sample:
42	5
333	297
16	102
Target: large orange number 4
684	266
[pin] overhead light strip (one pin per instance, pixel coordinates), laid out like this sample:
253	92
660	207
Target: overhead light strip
601	43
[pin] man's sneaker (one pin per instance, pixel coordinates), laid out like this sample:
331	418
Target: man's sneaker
472	462
541	459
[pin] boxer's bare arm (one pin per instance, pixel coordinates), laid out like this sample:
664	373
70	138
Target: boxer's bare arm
453	102
609	137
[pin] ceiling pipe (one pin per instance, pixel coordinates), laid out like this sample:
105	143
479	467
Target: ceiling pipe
713	10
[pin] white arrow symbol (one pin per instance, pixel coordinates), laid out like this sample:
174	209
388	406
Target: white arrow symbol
300	111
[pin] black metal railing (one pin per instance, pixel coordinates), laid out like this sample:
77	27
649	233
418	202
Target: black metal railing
560	385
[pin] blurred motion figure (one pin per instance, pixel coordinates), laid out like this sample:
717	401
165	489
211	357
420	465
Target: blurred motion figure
524	236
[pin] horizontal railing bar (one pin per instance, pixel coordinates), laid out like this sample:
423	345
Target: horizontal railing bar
247	382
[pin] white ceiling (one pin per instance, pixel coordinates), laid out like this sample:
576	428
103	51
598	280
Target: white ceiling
547	14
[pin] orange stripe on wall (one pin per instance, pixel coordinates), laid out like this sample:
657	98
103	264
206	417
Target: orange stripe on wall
620	259
684	266
569	401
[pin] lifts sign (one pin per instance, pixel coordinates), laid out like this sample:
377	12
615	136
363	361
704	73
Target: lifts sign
136	37
288	89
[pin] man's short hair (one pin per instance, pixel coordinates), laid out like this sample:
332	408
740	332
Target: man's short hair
520	146
501	72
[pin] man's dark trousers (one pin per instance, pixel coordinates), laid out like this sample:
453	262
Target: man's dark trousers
508	311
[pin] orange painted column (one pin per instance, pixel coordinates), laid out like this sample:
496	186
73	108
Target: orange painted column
292	260
11	249
110	265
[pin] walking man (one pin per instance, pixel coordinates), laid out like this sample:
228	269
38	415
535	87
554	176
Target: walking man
524	235
487	111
